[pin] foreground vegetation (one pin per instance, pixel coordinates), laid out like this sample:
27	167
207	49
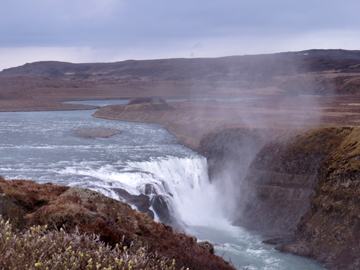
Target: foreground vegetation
83	213
40	248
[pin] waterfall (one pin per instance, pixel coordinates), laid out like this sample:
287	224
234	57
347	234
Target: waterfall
194	200
144	159
180	184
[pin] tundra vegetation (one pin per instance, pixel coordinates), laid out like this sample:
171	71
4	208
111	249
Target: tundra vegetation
41	248
37	216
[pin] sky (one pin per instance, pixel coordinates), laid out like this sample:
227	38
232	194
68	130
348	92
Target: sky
82	31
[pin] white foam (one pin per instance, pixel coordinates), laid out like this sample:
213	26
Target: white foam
184	181
195	200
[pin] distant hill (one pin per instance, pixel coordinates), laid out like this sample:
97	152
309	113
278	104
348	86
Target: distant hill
335	54
259	67
311	72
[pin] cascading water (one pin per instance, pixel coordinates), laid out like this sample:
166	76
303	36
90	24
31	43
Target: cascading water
193	199
144	159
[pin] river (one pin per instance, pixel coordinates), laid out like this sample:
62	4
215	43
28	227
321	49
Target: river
42	146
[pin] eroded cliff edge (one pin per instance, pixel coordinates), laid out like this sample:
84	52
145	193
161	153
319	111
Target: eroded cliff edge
27	203
301	187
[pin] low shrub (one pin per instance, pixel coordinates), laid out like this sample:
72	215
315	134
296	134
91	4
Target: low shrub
40	248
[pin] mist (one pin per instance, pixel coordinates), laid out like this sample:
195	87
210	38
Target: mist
281	98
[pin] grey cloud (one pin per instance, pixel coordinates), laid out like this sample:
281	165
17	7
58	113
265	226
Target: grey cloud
114	23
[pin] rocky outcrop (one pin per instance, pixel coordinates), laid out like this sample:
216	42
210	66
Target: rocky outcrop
164	210
151	202
302	188
92	133
142	202
93	213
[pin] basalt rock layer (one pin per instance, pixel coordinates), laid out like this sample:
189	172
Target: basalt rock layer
302	187
329	231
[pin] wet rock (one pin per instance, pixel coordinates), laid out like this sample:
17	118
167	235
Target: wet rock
149	189
278	241
142	202
163	210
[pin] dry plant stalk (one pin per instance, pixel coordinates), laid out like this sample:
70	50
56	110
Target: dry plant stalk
40	248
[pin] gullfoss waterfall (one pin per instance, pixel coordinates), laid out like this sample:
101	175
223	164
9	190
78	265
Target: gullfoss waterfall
143	159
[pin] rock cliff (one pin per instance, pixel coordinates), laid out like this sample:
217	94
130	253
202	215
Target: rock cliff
329	231
301	187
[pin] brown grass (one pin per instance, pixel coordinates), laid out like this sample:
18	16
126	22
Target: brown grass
40	248
29	194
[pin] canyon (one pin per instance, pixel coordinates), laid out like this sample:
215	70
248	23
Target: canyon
296	184
288	141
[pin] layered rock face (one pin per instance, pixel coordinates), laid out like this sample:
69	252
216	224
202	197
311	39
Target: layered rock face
273	191
280	183
301	187
329	231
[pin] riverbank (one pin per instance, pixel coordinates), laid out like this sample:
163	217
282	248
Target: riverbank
189	121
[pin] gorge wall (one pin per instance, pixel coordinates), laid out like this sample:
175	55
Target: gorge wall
300	187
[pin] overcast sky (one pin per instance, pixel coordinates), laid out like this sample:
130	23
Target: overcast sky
115	30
